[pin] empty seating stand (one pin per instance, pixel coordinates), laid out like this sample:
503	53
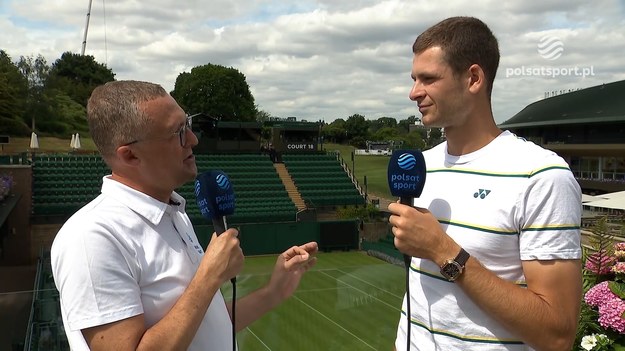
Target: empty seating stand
321	180
45	326
63	183
15	159
260	196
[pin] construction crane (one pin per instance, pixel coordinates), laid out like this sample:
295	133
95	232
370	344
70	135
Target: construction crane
84	40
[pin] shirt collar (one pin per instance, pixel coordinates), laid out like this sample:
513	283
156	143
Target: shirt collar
144	205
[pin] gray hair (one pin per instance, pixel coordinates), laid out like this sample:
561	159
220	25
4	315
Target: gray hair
115	115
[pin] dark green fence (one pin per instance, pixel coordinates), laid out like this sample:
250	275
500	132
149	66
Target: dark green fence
273	238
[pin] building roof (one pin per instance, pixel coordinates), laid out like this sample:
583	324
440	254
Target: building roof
614	200
617	203
306	126
598	104
615	195
238	124
588	198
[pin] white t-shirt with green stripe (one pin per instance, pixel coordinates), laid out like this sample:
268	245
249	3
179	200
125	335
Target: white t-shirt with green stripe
507	202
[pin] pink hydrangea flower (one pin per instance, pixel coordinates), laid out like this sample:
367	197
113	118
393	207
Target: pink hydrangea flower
599	294
610	315
619	246
600	263
619	267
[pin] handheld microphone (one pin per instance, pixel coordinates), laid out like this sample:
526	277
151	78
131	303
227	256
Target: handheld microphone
406	175
215	198
406	178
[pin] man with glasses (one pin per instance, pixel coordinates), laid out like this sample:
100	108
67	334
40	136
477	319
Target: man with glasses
181	133
128	265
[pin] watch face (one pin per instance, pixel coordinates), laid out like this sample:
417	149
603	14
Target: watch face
451	270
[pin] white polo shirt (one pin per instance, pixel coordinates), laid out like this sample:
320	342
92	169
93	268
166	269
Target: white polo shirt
124	254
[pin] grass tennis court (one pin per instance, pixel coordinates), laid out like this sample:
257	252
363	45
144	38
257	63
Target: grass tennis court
374	167
348	301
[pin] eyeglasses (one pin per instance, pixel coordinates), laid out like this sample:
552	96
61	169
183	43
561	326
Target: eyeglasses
182	133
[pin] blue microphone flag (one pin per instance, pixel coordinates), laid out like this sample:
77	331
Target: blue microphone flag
215	197
406	173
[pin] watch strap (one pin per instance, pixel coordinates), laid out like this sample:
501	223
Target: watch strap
462	257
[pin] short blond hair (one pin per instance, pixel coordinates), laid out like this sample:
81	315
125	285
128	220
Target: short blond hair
115	115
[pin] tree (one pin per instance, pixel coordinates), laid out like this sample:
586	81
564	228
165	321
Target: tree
77	75
382	122
435	137
335	131
13	89
358	142
217	91
386	133
404	124
10	110
356	126
35	71
67	117
262	116
413	140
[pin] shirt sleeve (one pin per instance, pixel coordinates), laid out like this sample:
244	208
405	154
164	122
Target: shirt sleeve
95	275
551	215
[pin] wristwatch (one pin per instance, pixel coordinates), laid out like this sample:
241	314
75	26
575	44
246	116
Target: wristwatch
452	268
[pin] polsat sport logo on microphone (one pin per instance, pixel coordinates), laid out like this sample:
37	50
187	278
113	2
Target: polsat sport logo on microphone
225	201
406	161
405	181
197	188
222	181
202	202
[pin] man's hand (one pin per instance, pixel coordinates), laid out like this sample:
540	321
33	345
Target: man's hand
290	267
287	273
419	234
223	257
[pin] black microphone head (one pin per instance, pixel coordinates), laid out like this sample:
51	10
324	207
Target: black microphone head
214	194
406	173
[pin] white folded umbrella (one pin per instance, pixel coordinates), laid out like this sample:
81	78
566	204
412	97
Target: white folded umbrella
77	142
34	141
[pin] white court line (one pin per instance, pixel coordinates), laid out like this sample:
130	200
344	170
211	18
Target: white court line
338	325
324	289
250	330
364	292
375	286
309	271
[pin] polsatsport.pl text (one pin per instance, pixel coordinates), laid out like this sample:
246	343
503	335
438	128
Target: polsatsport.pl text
552	72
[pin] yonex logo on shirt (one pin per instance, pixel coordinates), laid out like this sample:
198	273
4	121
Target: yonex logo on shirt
482	193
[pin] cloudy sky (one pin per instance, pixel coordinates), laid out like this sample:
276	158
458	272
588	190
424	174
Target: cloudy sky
325	59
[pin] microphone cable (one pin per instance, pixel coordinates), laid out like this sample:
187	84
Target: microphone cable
233	280
408	261
234	304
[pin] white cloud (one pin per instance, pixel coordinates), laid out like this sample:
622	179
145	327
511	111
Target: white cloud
319	59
